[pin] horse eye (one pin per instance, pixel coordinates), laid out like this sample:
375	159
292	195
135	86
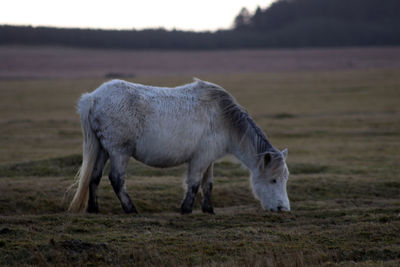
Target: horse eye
273	181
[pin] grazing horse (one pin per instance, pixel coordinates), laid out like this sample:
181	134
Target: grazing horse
195	123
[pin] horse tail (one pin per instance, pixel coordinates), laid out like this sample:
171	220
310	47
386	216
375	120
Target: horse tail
91	148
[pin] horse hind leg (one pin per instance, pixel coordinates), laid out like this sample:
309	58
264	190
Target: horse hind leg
97	173
206	188
117	176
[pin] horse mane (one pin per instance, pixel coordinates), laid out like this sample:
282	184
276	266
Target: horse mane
238	117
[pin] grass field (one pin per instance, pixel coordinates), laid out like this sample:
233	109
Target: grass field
342	129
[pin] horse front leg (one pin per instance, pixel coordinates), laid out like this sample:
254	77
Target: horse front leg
193	180
188	201
206	187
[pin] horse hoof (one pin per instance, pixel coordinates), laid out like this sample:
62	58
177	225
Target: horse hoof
131	210
209	210
93	210
185	211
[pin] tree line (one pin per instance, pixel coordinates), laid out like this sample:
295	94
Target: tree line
300	23
286	23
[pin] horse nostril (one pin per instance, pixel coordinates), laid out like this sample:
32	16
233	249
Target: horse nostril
280	208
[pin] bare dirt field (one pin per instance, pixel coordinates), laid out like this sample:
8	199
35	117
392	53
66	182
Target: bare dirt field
51	62
339	120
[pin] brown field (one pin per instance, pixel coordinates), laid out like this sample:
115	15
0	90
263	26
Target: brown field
51	62
337	110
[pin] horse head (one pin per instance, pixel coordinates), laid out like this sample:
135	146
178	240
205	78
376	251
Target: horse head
269	182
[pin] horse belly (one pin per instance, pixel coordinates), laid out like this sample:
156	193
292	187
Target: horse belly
169	143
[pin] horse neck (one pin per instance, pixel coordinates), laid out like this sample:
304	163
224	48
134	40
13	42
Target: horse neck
246	149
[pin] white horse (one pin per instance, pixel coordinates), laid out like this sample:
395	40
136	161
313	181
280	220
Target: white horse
196	123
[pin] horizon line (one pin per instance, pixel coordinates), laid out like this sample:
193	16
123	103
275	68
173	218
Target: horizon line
115	29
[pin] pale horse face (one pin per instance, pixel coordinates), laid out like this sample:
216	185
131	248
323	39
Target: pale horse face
269	185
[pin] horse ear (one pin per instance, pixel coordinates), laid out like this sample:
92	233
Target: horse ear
267	158
285	153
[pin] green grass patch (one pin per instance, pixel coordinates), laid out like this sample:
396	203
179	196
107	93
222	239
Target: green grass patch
62	166
341	128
